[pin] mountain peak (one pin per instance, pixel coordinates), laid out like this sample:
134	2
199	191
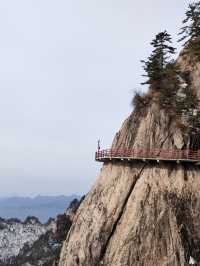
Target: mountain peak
146	212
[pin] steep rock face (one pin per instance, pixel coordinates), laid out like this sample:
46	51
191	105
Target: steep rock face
141	213
191	68
160	223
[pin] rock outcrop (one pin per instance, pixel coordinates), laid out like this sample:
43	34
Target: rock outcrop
142	213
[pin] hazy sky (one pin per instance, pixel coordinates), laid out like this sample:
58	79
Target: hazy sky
67	73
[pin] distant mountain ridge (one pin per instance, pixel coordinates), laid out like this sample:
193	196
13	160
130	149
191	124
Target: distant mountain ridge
30	243
42	207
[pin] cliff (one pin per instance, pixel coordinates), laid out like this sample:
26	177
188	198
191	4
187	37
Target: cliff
144	213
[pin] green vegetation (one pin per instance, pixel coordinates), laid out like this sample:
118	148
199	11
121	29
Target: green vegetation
170	87
191	29
193	48
160	57
187	103
159	65
190	32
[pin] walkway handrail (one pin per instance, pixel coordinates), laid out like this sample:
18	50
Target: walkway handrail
159	154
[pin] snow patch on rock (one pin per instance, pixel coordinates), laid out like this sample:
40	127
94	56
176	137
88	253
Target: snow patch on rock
14	235
192	261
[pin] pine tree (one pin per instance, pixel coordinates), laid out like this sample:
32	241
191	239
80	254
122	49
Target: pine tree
159	58
191	30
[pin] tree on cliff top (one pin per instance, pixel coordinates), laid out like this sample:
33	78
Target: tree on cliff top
159	58
191	30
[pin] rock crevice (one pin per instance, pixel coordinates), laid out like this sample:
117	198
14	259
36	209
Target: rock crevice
137	176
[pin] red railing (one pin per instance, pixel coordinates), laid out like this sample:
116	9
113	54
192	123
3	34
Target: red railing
156	154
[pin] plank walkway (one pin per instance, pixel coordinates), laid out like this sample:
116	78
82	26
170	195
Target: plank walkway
178	156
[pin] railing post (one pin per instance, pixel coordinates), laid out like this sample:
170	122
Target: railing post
198	155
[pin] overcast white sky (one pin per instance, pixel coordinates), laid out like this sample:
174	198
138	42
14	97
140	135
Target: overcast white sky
67	72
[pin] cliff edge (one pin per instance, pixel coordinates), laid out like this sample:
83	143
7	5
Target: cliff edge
145	213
